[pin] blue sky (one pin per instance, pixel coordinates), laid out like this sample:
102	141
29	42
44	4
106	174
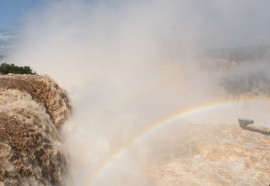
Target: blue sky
13	11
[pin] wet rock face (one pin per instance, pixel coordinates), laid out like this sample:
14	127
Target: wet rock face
32	108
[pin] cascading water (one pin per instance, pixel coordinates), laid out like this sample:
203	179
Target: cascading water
32	109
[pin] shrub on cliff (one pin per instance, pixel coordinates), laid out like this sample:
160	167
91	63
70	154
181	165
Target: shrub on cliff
6	68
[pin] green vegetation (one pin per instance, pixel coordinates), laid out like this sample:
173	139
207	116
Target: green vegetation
6	68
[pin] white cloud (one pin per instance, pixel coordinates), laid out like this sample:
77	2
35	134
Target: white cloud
6	36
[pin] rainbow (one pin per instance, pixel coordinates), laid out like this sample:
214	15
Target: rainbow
203	108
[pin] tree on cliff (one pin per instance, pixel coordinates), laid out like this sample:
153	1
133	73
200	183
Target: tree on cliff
6	68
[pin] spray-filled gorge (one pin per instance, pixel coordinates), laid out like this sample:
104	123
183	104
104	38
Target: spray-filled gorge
34	107
156	88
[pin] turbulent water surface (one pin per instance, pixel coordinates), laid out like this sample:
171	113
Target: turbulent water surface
219	155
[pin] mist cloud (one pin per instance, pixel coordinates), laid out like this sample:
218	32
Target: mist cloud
126	64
